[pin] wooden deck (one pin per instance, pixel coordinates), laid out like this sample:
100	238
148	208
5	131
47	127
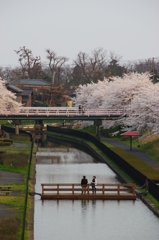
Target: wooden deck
103	192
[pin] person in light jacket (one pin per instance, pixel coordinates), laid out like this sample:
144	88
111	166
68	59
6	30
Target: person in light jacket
94	184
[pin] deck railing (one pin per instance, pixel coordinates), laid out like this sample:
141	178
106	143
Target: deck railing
74	189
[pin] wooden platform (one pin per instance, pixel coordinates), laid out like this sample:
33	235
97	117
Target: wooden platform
74	192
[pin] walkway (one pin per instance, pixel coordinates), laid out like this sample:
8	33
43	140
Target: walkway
135	151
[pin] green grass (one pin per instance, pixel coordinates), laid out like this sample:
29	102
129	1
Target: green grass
14	169
141	166
15	160
153	200
18	203
107	144
152	149
91	130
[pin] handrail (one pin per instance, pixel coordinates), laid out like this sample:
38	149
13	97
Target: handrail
106	188
61	111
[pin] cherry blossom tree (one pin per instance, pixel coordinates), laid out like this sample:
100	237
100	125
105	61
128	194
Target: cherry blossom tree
134	93
7	98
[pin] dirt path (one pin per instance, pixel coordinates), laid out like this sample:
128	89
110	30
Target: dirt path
10	178
7	211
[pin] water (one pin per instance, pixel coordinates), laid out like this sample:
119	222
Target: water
87	219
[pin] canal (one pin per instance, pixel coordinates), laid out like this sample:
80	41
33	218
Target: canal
86	219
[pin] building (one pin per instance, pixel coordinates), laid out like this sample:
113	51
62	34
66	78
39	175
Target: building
23	96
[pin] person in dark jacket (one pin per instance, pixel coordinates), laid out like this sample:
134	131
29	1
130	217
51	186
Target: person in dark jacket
2	132
80	109
84	183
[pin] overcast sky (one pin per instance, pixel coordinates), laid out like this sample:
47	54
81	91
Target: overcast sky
129	28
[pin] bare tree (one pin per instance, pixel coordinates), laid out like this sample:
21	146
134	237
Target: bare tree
7	73
30	66
82	63
55	63
99	62
92	67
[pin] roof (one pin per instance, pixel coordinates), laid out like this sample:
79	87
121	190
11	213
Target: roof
36	82
14	88
130	134
27	92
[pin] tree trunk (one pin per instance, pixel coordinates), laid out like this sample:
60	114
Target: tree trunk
53	78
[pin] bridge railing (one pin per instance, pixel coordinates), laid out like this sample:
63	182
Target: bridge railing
61	111
63	188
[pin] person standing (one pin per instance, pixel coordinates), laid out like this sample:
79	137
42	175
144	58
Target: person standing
80	109
2	132
83	109
84	183
94	184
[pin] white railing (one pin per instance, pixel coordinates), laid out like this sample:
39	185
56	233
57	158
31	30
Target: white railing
61	111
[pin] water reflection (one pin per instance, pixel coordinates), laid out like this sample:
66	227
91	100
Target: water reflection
94	220
69	156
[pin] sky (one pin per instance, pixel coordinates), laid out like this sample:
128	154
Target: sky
129	28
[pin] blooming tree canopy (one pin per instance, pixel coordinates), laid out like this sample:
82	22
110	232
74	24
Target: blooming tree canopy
133	92
7	98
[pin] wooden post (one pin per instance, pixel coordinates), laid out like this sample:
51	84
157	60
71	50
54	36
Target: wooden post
103	189
57	189
133	189
118	189
42	189
17	129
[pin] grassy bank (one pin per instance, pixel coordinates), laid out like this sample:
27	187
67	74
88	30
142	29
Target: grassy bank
15	159
149	145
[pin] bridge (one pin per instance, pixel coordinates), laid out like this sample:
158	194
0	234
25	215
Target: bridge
123	191
60	113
